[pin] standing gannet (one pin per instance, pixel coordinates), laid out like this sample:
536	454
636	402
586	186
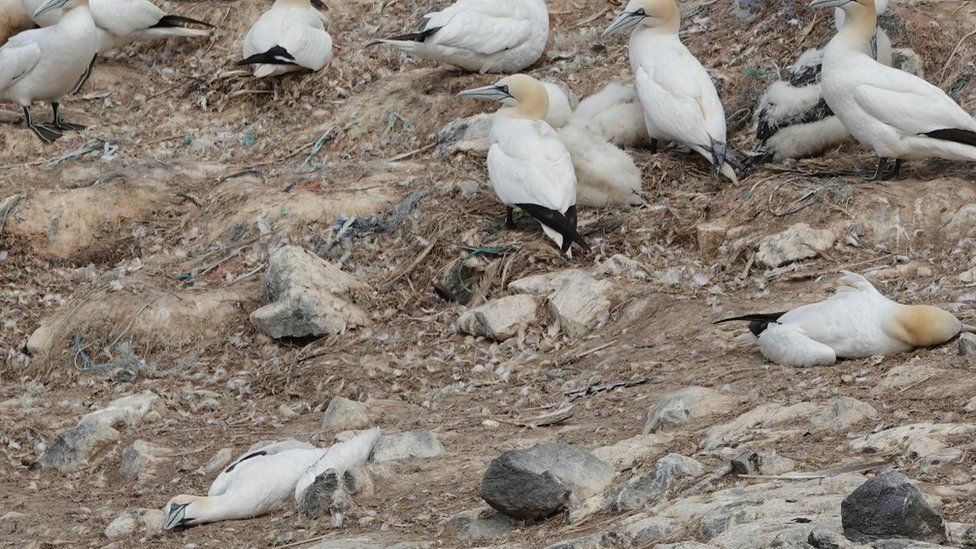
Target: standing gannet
14	19
617	112
120	22
793	120
528	166
288	37
605	175
856	322
679	99
897	114
481	35
258	482
47	64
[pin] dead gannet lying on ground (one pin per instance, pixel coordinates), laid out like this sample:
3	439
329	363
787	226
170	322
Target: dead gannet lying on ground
120	22
528	165
47	64
898	115
679	99
288	37
263	481
856	322
481	35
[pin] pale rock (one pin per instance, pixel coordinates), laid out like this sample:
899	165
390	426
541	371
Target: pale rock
344	414
753	463
625	453
911	373
963	222
141	459
347	543
581	305
75	447
967	344
217	462
648	488
417	443
499	319
840	414
795	243
621	265
146	521
466	135
971	406
916	440
961	534
684	405
941	458
640	530
764	416
541	285
127	411
486	529
711	236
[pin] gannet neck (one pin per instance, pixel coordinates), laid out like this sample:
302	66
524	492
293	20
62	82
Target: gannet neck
859	26
668	18
922	325
294	3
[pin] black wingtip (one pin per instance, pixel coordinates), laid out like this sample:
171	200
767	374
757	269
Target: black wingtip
564	224
955	135
169	21
275	56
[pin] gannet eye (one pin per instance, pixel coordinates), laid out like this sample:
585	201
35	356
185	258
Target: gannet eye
640	12
504	89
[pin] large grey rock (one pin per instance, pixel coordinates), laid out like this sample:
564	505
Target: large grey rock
916	440
542	285
649	487
417	443
581	305
501	318
307	297
840	414
469	135
141	459
795	243
343	414
749	423
72	449
684	405
890	506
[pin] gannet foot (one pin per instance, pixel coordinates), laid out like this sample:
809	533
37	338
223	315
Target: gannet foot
61	124
882	173
509	220
46	134
653	146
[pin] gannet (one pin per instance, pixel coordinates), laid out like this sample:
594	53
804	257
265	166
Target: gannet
793	120
528	166
262	481
605	175
617	112
855	322
679	99
288	37
13	19
120	22
481	36
49	63
897	114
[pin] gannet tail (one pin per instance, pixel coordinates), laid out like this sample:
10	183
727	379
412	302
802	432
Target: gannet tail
758	322
274	56
176	21
964	137
564	224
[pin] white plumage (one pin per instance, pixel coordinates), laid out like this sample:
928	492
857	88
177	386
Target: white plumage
896	114
47	64
120	22
262	481
855	322
617	113
288	37
482	35
339	458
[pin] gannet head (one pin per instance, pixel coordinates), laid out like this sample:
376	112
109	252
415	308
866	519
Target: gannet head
849	6
524	96
923	325
183	510
649	13
55	4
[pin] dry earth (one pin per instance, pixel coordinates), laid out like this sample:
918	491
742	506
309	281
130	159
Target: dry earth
156	237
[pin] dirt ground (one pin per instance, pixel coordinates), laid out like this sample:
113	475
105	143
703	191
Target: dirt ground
156	236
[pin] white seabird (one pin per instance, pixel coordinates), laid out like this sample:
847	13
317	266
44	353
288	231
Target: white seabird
288	37
792	118
898	115
481	36
337	462
679	98
856	322
14	19
528	166
617	112
120	22
262	481
605	174
47	64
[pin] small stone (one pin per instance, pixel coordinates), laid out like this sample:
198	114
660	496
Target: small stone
961	534
74	448
621	265
827	539
649	487
127	411
217	462
711	236
911	373
147	521
343	414
287	412
971	406
963	222
684	405
752	463
581	305
795	243
124	525
840	414
889	505
141	459
501	318
417	443
486	529
967	344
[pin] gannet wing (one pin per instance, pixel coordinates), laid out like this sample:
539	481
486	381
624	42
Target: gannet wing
18	57
481	26
682	98
911	105
532	167
789	346
123	17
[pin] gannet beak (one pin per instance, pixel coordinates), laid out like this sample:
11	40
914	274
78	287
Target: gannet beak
175	516
628	20
48	6
492	93
828	3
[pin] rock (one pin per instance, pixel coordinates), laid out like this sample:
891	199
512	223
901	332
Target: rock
581	305
417	443
840	414
147	521
685	545
649	487
127	411
914	372
971	406
536	483
459	279
629	451
684	405
124	525
711	236
499	319
74	448
217	462
621	265
916	440
766	415
541	285
967	344
752	463
795	243
349	543
485	529
343	414
468	134
141	459
640	530
888	506
304	294
962	223
961	534
821	538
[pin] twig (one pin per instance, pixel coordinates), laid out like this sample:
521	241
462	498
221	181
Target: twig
859	468
599	388
953	54
413	152
544	420
11	204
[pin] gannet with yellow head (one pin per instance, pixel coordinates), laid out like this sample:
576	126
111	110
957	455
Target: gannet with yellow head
47	64
856	322
289	37
679	99
481	36
898	115
528	166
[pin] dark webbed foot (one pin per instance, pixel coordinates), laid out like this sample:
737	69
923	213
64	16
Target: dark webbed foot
61	124
509	219
46	134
